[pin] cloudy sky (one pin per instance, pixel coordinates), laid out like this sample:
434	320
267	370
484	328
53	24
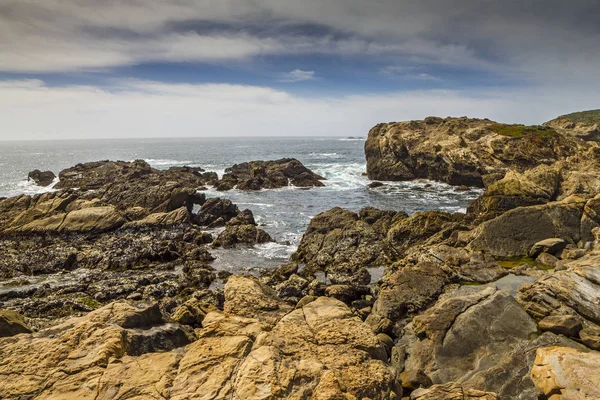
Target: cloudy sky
159	68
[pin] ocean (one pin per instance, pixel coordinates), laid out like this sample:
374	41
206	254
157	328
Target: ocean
284	213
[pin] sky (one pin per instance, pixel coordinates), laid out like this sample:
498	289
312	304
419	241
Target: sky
189	68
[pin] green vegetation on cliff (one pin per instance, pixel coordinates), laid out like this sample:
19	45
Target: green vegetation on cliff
589	117
516	131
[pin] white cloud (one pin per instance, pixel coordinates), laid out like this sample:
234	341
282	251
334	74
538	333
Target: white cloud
30	109
297	75
557	41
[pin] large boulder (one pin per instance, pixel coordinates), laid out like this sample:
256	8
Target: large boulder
407	291
564	373
92	219
41	178
539	185
69	360
513	233
256	175
479	337
246	296
459	151
94	175
216	212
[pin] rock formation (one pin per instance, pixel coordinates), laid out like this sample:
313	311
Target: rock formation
256	175
121	351
459	151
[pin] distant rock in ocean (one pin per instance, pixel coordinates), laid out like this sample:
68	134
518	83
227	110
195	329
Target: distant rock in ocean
41	178
256	175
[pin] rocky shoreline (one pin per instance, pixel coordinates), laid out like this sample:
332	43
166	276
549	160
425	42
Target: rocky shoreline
108	290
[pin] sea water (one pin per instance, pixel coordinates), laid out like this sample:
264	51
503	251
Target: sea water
284	213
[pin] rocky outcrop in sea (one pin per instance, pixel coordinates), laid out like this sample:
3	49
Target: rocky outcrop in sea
498	303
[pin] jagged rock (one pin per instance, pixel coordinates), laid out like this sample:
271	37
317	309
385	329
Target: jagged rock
40	178
567	325
591	337
216	212
94	175
12	323
563	373
451	391
294	286
132	184
345	293
68	360
244	217
420	227
459	151
192	312
241	234
343	241
551	246
574	290
256	175
539	185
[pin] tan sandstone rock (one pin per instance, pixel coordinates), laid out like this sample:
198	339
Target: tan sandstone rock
563	373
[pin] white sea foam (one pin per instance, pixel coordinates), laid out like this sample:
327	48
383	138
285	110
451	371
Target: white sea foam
30	188
166	162
342	176
326	155
274	251
352	139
